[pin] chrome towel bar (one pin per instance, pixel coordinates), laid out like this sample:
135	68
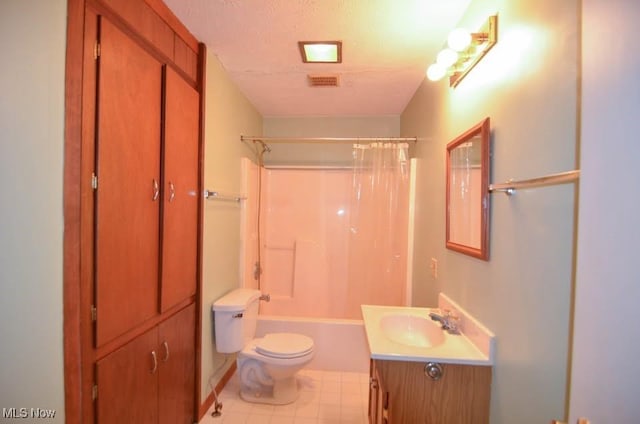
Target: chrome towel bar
511	186
216	195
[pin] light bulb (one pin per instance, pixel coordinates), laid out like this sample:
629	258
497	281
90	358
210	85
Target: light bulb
459	39
446	58
436	71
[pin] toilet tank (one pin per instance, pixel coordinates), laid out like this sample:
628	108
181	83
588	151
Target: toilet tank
235	319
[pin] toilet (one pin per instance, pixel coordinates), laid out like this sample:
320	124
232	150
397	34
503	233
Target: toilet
267	366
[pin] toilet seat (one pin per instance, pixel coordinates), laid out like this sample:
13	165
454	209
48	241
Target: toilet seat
284	345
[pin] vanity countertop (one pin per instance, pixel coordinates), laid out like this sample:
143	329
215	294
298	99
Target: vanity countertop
473	346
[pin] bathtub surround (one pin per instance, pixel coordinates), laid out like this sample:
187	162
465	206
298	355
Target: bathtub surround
527	85
305	254
334	239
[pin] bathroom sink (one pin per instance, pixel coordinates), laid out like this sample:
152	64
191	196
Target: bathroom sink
406	333
411	330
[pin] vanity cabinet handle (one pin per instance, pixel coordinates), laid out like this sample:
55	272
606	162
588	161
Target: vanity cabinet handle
385	409
373	384
433	370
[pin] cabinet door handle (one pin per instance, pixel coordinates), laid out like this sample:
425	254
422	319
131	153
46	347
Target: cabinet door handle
373	384
172	191
156	190
165	345
433	370
155	361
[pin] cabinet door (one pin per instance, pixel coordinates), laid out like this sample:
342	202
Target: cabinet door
180	181
127	196
460	396
378	396
127	382
177	368
373	392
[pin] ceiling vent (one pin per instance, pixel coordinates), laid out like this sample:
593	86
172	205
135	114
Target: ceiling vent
323	80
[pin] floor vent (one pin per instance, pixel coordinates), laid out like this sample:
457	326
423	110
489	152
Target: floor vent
323	80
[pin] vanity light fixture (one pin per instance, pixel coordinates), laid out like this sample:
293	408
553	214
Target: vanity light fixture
464	49
321	51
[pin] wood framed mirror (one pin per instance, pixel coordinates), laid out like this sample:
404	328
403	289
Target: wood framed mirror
468	192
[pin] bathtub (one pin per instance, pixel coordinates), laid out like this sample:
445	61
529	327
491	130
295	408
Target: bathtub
340	344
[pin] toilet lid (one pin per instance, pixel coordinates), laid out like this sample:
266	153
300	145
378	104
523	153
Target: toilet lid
284	345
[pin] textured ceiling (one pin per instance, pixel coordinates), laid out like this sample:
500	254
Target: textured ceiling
386	47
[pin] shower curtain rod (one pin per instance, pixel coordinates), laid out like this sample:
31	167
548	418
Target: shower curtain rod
244	138
310	167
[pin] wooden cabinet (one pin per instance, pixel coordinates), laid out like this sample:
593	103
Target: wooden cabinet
126	382
150	379
401	393
180	184
147	186
127	205
176	370
378	397
141	201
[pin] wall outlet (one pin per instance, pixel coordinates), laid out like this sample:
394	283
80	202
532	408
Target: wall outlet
433	266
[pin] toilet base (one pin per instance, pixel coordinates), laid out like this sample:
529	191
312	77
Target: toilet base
282	392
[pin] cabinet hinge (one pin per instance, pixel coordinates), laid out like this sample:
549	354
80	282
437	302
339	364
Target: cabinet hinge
96	50
94	392
94	313
94	181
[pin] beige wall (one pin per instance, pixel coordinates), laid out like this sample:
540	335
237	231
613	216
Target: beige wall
323	126
527	85
32	46
228	115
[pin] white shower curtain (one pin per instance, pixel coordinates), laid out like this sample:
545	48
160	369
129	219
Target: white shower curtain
378	226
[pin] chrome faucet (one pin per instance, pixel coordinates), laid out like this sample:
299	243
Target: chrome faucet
448	321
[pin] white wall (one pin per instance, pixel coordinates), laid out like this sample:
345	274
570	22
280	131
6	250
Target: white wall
527	85
32	47
228	115
606	370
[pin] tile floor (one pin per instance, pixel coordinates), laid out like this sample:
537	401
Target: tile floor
326	397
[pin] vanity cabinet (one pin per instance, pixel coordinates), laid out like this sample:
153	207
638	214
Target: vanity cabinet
402	393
